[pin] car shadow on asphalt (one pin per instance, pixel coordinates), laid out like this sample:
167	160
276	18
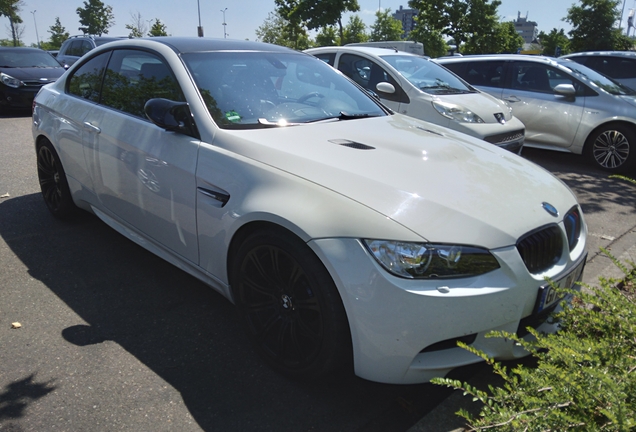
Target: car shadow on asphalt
189	335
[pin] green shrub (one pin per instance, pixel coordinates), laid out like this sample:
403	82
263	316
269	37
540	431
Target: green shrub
585	377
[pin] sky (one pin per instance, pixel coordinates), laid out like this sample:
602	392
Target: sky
242	17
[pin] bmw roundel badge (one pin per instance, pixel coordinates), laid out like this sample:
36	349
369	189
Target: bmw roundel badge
550	209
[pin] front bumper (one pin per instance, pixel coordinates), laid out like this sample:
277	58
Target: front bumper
21	97
395	322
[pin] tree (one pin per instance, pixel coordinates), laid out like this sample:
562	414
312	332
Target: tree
137	27
593	26
550	42
457	19
433	41
316	14
158	29
386	28
502	38
58	35
10	9
276	29
327	37
95	17
354	31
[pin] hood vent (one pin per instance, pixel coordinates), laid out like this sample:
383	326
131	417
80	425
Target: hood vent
352	144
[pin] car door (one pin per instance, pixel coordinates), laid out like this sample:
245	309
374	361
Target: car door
369	74
551	119
143	175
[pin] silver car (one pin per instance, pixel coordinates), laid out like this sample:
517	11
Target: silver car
420	88
565	106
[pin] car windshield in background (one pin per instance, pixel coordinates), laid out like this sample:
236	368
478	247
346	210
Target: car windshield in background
258	89
21	59
426	75
601	81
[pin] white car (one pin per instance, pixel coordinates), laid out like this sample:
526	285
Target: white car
342	232
565	105
618	65
418	87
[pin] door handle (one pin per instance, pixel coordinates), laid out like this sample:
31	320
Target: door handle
512	99
89	126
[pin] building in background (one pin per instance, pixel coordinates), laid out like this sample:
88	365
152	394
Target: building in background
406	17
527	29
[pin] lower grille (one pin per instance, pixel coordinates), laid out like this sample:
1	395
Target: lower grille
505	137
542	249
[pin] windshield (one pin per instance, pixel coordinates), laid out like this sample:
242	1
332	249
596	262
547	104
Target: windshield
26	59
267	89
596	79
427	75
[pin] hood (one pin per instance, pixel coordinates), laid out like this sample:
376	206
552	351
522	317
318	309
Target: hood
480	103
442	185
41	74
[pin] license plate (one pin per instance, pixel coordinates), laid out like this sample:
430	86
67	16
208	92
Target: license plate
548	296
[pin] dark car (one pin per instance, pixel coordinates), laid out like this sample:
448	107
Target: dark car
76	46
22	72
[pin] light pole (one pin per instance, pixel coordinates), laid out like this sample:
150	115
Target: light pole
199	29
36	28
224	23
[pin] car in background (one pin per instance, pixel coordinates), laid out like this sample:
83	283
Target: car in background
618	65
418	87
565	105
343	232
23	71
76	46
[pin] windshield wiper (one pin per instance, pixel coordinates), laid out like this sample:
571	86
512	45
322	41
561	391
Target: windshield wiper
345	116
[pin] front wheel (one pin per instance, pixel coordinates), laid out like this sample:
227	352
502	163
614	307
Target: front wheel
53	182
612	148
289	305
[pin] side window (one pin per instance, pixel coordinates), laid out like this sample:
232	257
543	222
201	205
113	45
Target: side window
329	58
621	68
532	77
133	77
75	49
542	78
86	81
484	73
369	74
85	47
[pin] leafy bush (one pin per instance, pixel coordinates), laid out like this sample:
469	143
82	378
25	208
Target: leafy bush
585	378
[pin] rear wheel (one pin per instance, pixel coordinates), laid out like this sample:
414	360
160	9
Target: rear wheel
612	148
289	305
53	183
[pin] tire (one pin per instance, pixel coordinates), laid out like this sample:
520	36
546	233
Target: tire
612	148
290	306
53	182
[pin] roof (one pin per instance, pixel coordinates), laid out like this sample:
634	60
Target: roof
196	44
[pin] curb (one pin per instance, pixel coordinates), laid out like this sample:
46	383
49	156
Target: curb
443	417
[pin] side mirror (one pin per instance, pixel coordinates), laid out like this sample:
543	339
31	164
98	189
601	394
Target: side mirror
170	115
385	87
565	90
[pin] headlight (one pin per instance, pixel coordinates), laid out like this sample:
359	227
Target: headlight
456	112
8	80
429	261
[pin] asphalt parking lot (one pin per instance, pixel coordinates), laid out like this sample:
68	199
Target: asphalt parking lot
114	338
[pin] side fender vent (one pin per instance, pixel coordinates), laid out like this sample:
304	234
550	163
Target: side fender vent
351	144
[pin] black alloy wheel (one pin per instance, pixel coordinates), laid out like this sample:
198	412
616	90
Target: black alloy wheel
290	306
53	182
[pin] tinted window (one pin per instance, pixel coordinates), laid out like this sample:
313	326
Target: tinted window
329	58
85	47
542	78
75	49
483	73
133	77
595	79
86	81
